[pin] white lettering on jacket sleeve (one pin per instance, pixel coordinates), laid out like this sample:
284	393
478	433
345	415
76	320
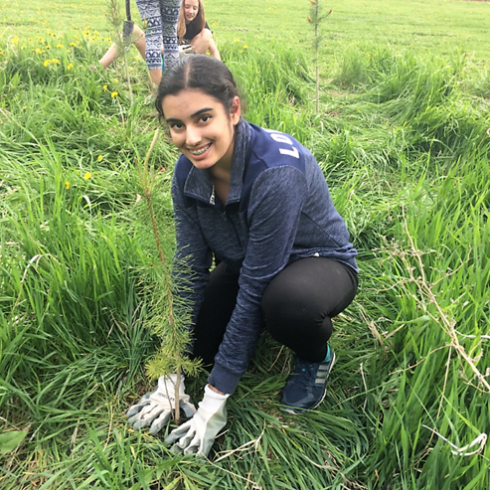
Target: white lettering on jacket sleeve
294	152
282	138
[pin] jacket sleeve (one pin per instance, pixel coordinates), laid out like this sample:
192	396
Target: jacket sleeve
193	256
276	201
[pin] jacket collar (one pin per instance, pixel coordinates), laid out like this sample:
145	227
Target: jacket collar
199	185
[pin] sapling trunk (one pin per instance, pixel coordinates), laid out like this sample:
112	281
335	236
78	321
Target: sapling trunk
147	182
121	40
315	18
316	66
127	77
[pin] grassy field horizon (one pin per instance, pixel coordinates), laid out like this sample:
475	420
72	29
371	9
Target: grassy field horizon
402	136
426	25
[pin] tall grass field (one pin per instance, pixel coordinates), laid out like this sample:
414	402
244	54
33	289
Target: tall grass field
403	139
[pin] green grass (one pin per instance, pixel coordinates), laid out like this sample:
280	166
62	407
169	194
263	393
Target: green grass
402	139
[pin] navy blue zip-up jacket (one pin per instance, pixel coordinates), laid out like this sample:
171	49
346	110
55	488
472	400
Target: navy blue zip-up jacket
278	210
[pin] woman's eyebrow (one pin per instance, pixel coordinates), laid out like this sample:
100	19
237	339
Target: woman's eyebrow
197	113
206	109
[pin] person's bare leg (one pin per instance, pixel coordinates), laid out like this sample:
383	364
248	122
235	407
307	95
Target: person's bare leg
110	56
213	49
203	43
155	77
138	39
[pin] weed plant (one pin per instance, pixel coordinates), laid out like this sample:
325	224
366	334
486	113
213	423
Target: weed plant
403	143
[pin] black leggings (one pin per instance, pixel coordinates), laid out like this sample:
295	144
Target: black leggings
298	305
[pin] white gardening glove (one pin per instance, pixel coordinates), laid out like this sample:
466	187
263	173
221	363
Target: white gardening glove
186	50
198	434
155	408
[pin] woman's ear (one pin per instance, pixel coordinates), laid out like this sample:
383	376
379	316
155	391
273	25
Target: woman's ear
235	110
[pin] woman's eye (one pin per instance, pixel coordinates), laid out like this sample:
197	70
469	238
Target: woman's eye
176	126
205	118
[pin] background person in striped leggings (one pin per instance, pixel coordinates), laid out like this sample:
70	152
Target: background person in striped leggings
161	18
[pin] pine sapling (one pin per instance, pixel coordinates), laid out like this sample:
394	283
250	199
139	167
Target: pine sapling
315	18
170	316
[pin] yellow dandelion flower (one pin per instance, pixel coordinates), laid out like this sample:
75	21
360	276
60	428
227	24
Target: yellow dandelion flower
104	88
67	185
245	46
48	47
25	107
73	44
116	80
100	158
60	46
236	41
114	94
87	175
70	66
136	58
47	62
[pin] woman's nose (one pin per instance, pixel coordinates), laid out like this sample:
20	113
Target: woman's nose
193	136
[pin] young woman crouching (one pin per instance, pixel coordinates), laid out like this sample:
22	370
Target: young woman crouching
193	29
257	200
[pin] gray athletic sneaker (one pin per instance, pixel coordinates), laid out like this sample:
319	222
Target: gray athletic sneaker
306	386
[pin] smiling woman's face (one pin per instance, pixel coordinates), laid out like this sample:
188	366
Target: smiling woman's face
201	127
191	8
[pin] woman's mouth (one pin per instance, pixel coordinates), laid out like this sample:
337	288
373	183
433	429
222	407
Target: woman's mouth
199	152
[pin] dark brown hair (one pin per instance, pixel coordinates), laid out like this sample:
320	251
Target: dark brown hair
199	72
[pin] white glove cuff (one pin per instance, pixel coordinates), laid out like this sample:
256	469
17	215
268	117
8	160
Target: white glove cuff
213	399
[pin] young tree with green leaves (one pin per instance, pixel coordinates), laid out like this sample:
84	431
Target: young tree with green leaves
169	320
315	18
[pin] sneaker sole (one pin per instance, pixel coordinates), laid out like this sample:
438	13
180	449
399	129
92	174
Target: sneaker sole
298	411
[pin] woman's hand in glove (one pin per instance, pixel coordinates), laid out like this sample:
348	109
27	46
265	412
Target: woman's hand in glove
155	408
198	434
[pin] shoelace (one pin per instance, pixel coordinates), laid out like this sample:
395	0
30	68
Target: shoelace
304	371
